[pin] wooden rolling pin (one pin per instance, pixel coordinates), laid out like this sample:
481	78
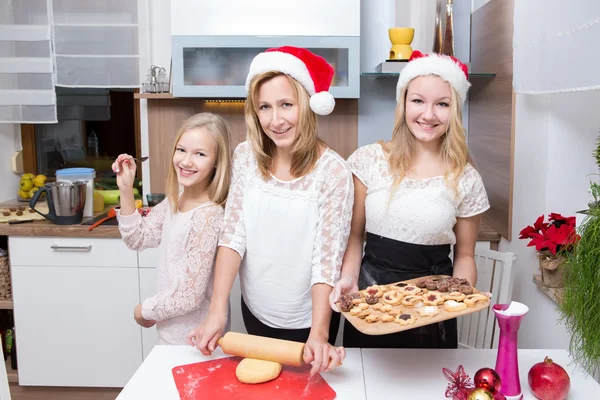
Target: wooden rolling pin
280	351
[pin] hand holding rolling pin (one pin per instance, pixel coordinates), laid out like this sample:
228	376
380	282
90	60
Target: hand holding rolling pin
205	336
322	355
284	352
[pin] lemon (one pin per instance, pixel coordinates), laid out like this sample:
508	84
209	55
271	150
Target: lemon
26	185
138	204
32	192
24	195
28	176
40	180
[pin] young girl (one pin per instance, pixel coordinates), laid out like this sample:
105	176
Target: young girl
416	196
288	217
185	227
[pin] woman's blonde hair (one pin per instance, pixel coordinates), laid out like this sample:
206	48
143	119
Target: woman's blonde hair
305	150
218	187
401	148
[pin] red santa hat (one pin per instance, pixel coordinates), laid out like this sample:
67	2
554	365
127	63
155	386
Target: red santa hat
311	70
448	68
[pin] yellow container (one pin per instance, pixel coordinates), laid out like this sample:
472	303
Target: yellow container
401	39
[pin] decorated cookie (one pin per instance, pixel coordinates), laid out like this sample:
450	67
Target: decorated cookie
473	299
411	301
433	299
372	296
454	306
392	297
405	319
429	311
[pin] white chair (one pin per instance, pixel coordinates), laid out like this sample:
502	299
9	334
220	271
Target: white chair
495	275
4	388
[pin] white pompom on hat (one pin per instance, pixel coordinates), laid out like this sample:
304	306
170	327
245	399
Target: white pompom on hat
312	71
448	68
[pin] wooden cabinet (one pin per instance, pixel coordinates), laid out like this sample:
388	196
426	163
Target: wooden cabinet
74	301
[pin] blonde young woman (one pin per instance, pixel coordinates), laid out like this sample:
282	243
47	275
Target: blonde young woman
415	196
185	227
288	217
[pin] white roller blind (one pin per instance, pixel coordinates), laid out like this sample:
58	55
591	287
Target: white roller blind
96	43
556	46
26	63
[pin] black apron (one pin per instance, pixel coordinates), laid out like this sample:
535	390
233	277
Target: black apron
387	261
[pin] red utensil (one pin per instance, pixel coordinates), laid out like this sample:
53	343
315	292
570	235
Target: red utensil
216	380
111	214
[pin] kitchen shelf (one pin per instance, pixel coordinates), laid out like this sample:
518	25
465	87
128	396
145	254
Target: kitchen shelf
554	293
153	96
6	304
12	375
382	75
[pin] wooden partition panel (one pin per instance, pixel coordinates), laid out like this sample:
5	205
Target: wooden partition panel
339	130
491	109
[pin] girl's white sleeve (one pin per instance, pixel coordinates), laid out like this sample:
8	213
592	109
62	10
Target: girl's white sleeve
335	214
141	233
196	272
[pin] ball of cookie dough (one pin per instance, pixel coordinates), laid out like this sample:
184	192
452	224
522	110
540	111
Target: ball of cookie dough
250	370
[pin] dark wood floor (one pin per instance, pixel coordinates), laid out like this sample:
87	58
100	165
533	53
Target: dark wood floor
51	393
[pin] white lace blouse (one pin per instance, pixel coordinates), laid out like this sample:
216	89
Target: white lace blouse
290	235
423	211
187	243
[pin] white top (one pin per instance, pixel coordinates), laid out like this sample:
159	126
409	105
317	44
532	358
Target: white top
423	211
187	245
290	235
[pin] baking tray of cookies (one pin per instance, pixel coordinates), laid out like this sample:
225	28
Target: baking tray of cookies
399	306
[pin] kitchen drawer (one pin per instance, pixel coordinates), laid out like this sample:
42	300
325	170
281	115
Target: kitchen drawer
70	252
148	258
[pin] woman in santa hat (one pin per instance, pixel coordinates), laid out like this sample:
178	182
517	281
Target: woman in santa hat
288	214
415	197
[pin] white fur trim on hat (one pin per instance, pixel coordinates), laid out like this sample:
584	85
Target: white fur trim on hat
322	103
284	62
434	64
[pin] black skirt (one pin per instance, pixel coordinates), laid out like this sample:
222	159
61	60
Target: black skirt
387	261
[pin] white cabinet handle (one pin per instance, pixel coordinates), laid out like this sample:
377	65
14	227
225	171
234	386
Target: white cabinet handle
71	248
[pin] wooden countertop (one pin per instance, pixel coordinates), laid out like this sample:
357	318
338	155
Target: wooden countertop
47	228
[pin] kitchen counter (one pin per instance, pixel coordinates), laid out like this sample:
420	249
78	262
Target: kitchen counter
47	228
44	227
369	374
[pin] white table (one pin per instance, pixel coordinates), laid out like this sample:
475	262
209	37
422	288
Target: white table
154	380
417	373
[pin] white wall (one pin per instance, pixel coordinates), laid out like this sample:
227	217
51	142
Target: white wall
9	182
554	138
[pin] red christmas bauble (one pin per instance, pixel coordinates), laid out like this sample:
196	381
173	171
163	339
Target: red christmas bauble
488	379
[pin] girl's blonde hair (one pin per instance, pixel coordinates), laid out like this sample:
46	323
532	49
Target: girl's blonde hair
218	187
305	150
401	148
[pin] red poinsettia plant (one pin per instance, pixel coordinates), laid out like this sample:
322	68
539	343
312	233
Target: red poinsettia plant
556	235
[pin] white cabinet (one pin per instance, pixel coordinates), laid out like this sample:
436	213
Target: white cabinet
147	289
73	309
